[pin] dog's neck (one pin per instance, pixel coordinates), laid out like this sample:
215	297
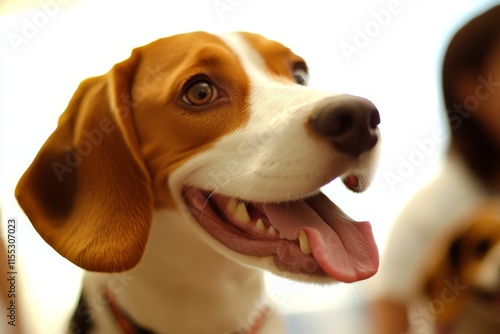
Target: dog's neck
182	285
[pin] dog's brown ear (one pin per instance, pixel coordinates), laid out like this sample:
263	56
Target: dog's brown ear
441	281
87	192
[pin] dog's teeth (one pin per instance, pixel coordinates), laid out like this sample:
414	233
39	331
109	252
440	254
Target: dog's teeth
259	225
241	213
232	205
304	243
272	231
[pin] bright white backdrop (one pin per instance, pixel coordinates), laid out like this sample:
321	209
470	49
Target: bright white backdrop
386	50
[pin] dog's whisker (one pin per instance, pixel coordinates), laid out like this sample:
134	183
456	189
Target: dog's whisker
216	190
214	194
354	287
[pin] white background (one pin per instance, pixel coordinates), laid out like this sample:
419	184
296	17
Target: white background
48	47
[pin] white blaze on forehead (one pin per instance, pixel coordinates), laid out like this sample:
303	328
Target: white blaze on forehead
250	59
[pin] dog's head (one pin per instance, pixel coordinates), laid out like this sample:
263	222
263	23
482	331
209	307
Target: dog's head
224	129
471	264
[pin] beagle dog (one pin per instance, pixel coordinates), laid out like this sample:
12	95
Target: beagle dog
190	166
464	284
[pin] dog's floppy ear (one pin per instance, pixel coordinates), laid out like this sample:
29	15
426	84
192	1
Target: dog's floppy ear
87	192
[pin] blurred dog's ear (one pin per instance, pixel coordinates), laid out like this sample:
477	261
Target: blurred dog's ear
88	192
439	281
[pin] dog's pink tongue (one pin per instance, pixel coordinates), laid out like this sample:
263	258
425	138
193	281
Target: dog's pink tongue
343	248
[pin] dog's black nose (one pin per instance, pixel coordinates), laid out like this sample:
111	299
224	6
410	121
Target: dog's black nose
348	122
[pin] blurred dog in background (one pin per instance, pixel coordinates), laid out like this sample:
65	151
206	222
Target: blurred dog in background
464	282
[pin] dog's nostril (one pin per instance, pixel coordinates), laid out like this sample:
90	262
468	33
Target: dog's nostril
374	119
348	122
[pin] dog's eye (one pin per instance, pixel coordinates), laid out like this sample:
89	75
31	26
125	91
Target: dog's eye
300	76
200	93
482	247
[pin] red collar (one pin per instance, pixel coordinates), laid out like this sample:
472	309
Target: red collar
124	322
255	323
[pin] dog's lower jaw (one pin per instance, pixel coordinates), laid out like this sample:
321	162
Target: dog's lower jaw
181	286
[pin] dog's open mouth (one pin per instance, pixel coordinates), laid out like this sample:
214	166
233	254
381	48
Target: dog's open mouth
310	236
